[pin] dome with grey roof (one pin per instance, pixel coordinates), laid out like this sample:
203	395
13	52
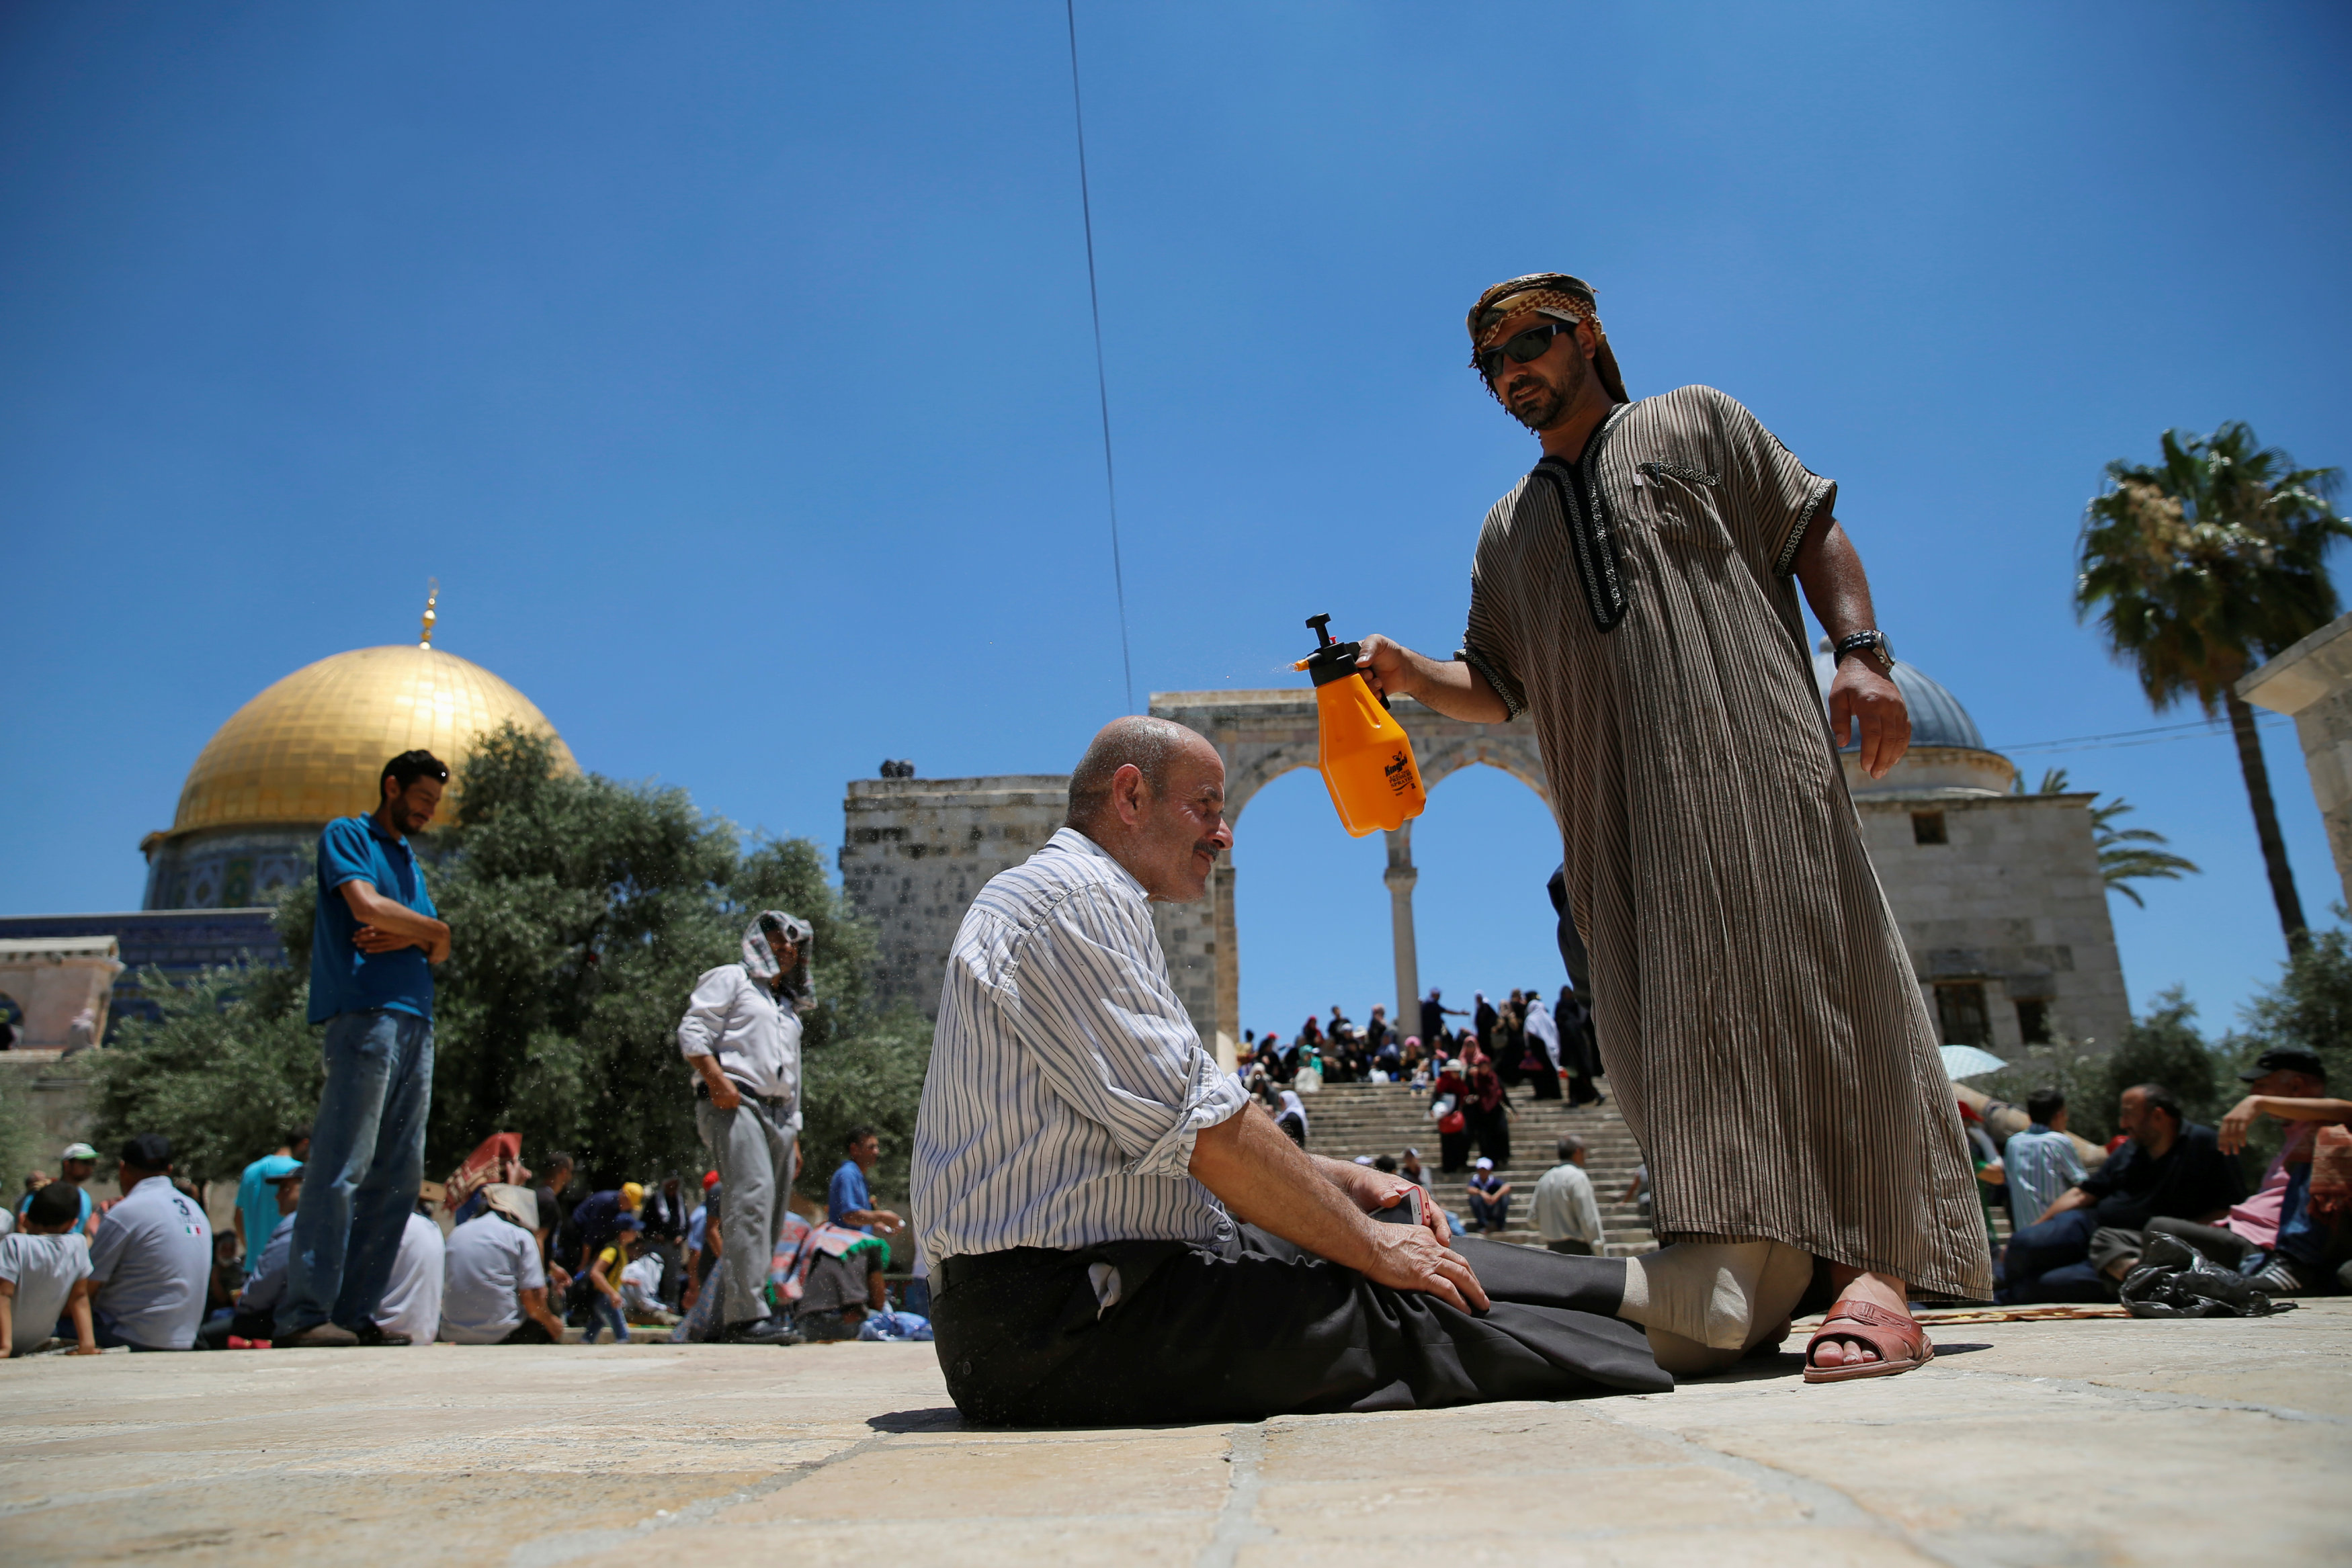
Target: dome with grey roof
1937	717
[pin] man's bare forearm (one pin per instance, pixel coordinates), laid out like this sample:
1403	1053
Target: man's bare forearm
1830	569
1450	686
371	907
1267	1180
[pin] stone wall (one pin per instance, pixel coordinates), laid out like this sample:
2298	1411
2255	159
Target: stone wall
2011	899
915	852
2313	681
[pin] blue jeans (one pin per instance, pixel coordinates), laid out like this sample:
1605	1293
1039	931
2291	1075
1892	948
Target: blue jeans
367	1158
1489	1214
2051	1262
601	1316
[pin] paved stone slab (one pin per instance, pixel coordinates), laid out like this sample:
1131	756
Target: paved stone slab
2091	1442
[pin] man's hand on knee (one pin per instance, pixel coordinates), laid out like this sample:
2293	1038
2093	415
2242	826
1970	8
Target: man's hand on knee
1264	1179
1373	1191
1408	1258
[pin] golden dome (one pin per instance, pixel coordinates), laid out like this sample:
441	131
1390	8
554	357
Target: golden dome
313	746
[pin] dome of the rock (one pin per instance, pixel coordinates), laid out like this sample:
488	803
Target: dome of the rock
311	747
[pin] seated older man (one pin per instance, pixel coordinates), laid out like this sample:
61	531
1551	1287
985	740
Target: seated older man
1122	1235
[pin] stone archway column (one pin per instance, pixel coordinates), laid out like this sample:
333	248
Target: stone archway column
1229	962
1400	876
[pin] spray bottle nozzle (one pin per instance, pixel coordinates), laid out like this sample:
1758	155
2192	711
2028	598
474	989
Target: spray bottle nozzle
1322	626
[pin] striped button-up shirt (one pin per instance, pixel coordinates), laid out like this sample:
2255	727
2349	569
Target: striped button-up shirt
2038	1165
1067	1083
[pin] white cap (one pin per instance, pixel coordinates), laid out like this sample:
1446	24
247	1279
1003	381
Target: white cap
1363	1159
1485	1164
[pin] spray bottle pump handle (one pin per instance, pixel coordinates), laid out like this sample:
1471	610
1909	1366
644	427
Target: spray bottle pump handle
1322	627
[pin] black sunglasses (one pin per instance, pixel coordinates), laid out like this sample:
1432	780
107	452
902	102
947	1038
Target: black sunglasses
1520	348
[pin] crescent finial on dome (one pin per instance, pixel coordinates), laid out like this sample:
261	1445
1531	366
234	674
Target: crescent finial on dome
432	596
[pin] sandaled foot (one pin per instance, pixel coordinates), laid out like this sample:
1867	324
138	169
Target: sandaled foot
1860	1339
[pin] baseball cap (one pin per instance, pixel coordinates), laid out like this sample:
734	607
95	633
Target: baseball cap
148	1151
78	1152
1363	1159
2285	1059
624	1220
1485	1164
292	1172
632	1194
710	1180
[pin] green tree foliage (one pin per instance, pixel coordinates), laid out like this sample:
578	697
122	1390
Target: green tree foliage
2310	1005
227	1069
2125	854
2163	1045
2199	568
583	909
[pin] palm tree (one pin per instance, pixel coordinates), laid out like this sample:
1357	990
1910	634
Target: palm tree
2200	568
2125	854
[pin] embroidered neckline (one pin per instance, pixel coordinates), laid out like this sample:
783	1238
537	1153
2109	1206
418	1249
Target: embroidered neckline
1592	526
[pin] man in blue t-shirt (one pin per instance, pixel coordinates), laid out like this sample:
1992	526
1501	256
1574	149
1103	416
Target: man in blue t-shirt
847	1200
372	946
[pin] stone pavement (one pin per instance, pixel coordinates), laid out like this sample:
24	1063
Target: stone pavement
2092	1443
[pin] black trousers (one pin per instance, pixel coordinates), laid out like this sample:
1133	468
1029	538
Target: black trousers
1264	1328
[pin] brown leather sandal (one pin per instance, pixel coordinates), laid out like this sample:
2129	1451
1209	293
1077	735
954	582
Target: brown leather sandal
1900	1341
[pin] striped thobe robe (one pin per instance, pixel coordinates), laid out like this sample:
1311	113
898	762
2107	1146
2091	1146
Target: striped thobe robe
1755	1010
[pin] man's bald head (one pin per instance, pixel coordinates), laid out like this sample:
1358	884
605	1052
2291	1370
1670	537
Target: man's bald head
1150	745
1151	795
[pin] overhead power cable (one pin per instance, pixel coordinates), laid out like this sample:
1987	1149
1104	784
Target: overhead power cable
1102	380
2156	736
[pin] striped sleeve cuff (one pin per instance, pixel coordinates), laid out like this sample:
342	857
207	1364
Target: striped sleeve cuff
1218	1099
1515	702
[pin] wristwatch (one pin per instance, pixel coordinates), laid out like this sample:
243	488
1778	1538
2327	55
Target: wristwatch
1855	642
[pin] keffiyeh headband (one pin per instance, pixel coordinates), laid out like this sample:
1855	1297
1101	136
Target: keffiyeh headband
760	959
1554	294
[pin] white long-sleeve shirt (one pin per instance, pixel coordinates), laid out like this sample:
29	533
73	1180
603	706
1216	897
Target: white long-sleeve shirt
755	1034
1565	1208
1067	1083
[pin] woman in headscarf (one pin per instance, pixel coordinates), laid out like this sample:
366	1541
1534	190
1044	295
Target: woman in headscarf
1490	1113
1449	1104
1292	1117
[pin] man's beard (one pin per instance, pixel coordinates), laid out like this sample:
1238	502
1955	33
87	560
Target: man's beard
1552	406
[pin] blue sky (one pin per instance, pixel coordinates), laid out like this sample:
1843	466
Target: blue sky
730	367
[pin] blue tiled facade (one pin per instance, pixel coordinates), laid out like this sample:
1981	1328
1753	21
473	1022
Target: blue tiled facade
178	941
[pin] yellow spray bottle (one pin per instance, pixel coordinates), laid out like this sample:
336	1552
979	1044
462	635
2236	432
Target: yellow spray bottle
1364	754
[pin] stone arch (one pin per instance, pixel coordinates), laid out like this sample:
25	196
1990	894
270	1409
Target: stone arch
1263	734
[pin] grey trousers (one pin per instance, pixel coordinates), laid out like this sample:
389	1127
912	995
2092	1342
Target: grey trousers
753	1145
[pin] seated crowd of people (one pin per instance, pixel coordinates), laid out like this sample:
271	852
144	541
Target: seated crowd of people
1525	1040
2080	1232
517	1265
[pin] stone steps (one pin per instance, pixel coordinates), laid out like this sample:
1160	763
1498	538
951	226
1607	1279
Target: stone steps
1346	1120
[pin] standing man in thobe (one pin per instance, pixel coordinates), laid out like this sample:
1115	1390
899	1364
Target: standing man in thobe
374	942
1636	596
742	1034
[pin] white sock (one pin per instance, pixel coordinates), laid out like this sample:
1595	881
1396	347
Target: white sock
1725	1295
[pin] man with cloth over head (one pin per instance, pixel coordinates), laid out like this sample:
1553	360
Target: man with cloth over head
742	1034
1635	595
1120	1234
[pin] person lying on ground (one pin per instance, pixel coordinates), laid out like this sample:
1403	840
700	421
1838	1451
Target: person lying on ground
45	1275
